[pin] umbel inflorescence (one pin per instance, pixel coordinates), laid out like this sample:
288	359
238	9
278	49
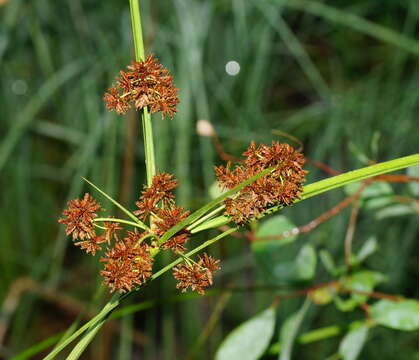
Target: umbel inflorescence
128	248
128	254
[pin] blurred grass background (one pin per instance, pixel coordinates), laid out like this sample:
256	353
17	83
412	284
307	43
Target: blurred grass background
340	75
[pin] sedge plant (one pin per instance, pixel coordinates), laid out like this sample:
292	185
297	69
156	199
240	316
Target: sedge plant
269	178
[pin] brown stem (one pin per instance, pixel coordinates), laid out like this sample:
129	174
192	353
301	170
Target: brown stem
350	234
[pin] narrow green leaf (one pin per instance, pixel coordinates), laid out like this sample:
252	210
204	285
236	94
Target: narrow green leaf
37	348
358	175
85	340
250	340
211	224
368	248
355	22
353	342
395	210
198	213
107	309
328	262
334	182
126	211
26	115
399	315
289	331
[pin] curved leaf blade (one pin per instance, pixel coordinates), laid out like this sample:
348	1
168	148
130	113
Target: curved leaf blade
250	340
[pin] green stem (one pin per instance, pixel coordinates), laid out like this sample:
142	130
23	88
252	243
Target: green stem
122	221
117	204
192	252
98	319
358	175
137	35
202	219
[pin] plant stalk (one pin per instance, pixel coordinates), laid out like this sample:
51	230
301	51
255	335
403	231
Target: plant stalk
137	35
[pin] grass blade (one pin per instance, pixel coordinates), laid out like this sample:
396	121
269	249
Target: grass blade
126	211
355	22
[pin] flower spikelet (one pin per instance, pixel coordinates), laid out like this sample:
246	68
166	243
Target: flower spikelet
197	276
158	200
111	229
79	217
91	245
280	187
146	83
128	264
160	190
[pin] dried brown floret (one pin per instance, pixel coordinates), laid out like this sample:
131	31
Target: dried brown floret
177	242
79	217
147	83
197	276
192	276
91	245
168	218
160	190
128	264
111	229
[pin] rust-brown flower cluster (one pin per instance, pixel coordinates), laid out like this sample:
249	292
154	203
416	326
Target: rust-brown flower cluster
197	275
146	83
128	262
281	186
158	201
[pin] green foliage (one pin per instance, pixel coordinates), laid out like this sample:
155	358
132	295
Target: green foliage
399	315
353	342
250	340
289	331
339	76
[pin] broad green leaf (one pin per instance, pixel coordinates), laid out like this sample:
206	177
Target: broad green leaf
363	281
276	225
306	263
250	340
289	331
368	248
276	258
395	210
375	195
353	342
280	263
399	315
413	185
328	262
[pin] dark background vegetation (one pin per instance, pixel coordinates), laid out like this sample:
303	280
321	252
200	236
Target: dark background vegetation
348	92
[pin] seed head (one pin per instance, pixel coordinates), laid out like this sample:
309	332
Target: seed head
282	186
146	83
79	217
